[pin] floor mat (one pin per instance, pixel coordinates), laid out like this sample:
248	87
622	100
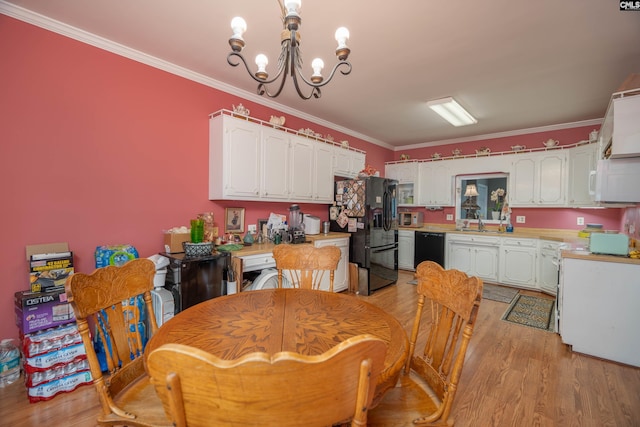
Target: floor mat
531	311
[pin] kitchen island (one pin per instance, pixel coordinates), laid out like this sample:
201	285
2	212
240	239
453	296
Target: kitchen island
599	305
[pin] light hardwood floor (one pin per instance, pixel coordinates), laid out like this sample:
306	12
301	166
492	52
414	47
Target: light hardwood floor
513	376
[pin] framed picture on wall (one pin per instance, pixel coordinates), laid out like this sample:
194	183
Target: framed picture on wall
234	220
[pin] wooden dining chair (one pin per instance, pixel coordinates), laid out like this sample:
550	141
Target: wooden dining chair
454	301
306	265
107	300
287	389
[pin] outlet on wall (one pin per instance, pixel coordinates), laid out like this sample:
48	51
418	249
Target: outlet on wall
580	220
520	219
449	217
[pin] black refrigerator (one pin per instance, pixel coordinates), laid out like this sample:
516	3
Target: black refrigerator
366	208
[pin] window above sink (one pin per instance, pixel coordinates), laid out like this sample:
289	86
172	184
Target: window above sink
474	196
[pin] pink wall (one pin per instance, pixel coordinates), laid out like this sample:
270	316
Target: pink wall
97	149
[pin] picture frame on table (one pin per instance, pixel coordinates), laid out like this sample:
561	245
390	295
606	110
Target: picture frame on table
234	220
262	223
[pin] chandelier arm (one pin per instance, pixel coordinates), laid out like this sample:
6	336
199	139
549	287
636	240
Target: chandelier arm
246	66
328	79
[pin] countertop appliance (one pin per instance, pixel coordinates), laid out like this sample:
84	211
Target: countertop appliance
410	219
429	246
366	208
311	224
616	180
192	280
609	243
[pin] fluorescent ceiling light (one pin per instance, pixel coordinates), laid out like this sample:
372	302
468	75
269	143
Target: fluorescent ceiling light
452	112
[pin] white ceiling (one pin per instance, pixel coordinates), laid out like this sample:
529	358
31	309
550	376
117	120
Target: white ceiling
514	65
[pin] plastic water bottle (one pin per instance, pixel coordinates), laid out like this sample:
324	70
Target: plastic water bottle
9	362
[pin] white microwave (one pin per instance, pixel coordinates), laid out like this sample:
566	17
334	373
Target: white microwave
616	180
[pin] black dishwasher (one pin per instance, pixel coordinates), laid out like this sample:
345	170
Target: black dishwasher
429	246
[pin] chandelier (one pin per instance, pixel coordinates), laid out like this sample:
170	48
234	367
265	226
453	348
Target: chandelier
290	59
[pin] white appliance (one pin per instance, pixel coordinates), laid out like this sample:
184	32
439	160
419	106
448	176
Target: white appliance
311	224
161	298
268	279
617	180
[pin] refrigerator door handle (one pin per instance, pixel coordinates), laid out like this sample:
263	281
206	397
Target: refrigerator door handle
384	248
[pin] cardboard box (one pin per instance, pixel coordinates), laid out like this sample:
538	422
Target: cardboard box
36	311
173	241
49	265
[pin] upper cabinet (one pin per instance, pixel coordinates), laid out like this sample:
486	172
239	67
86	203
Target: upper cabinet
582	164
436	184
538	179
407	175
251	161
347	163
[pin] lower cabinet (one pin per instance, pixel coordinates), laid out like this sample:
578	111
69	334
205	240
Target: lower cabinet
474	255
518	262
406	249
341	276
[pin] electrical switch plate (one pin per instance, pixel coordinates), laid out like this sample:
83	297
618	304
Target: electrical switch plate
252	228
449	217
580	220
520	219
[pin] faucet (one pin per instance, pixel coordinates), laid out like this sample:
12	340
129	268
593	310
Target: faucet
480	223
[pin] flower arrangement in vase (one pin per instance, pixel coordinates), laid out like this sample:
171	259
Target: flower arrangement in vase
497	196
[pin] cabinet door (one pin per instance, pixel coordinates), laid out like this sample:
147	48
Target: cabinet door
436	184
342	162
552	178
302	170
582	160
518	263
485	262
341	275
275	165
523	177
358	162
459	258
323	173
241	157
406	249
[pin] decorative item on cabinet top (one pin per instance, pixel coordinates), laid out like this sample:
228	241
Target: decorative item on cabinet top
309	133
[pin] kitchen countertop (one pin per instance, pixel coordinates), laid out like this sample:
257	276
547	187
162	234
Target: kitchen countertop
265	248
586	255
565	236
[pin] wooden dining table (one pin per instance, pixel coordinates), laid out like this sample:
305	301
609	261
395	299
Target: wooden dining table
308	322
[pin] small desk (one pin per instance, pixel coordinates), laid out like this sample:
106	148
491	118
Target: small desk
272	320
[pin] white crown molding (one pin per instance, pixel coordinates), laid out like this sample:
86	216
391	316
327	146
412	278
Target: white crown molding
66	30
561	126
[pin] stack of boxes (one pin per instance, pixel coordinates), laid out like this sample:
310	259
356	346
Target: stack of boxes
55	359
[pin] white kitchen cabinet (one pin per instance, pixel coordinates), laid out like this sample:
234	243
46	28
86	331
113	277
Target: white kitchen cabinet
323	173
347	163
341	275
251	161
518	262
582	161
302	173
538	179
599	308
406	173
406	249
276	161
234	159
436	184
549	266
474	255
